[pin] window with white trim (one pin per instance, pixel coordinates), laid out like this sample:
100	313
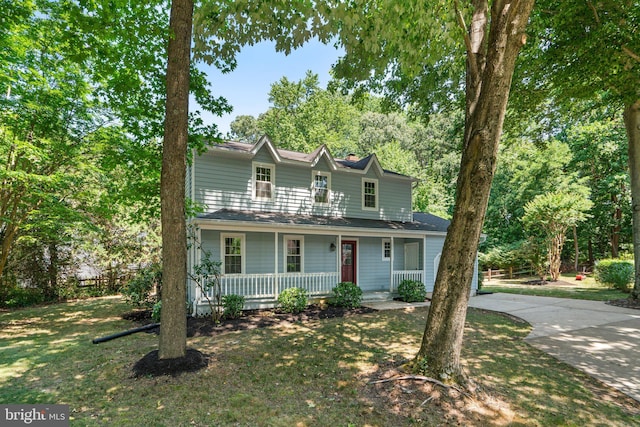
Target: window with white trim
294	254
386	249
321	188
369	194
263	181
233	250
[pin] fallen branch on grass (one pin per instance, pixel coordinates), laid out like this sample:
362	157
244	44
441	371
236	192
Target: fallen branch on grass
421	378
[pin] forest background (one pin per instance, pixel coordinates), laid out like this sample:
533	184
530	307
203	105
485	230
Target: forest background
81	120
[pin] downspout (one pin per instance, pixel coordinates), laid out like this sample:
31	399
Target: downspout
276	279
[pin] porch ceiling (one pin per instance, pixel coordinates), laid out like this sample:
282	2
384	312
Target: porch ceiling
423	223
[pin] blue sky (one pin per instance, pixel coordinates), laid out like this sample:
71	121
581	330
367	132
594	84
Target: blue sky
247	87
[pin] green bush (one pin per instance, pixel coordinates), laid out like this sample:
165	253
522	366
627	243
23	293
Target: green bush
412	291
21	297
138	290
293	300
346	294
232	305
616	273
155	312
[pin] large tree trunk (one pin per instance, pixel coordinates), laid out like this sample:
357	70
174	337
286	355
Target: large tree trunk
493	43
632	124
576	249
555	255
173	320
615	230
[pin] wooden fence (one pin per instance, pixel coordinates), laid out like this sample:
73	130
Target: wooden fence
508	273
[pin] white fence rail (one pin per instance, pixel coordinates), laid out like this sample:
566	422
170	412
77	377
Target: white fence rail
400	275
268	285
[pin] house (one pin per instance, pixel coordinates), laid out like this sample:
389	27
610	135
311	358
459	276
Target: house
278	219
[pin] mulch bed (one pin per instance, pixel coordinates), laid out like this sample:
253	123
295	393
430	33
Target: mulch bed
250	319
150	365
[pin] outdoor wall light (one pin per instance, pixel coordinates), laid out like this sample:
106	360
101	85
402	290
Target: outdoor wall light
332	247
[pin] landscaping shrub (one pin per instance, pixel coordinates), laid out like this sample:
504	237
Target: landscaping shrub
138	290
155	312
346	294
21	297
412	291
232	305
293	300
616	273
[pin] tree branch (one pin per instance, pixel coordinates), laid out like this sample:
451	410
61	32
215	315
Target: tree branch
631	53
467	41
595	12
420	378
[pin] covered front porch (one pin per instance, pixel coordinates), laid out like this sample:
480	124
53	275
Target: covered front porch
259	261
266	286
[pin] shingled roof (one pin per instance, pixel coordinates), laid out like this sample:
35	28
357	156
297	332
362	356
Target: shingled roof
421	221
363	164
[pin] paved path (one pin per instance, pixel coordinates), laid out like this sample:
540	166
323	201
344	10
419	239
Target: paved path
599	339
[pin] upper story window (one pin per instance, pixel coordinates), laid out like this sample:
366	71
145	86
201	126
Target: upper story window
386	249
233	250
294	254
263	181
321	188
369	194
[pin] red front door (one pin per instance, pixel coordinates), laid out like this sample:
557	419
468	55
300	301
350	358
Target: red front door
349	261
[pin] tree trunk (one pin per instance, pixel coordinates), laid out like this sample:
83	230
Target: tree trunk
555	255
490	65
632	124
576	249
52	270
615	230
173	320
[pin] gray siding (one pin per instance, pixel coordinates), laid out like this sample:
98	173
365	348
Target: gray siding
433	249
260	249
374	274
225	182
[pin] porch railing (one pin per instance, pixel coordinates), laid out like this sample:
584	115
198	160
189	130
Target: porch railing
400	275
267	285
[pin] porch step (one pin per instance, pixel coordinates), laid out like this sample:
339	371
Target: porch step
377	296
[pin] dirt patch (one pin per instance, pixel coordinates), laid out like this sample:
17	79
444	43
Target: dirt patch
250	319
626	303
151	365
427	403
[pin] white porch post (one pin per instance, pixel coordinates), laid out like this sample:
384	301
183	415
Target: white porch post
391	265
196	255
424	261
275	266
338	257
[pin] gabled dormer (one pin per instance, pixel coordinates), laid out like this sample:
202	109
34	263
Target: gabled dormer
261	177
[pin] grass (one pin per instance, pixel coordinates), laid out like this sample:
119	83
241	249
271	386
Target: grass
311	374
566	287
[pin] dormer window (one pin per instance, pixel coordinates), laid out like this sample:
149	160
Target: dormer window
369	194
263	181
321	188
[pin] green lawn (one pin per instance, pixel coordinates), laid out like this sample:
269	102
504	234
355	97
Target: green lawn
311	374
566	287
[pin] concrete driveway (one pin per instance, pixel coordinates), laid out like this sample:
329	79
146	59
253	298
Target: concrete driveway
599	339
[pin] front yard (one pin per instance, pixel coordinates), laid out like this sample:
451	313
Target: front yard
566	287
313	373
